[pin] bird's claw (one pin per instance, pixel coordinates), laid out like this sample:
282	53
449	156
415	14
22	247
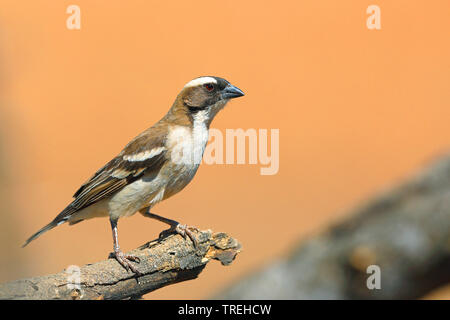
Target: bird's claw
124	260
185	230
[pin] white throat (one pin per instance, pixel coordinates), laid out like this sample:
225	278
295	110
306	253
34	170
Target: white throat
200	128
188	144
200	134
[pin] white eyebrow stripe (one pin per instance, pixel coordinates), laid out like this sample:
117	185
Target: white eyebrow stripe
145	155
200	81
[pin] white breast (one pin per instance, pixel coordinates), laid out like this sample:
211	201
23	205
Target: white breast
187	144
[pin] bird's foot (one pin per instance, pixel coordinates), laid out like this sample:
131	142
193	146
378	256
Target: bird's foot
183	230
125	261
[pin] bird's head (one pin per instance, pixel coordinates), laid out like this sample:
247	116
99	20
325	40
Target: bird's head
206	96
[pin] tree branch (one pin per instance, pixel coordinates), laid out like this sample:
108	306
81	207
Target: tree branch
163	262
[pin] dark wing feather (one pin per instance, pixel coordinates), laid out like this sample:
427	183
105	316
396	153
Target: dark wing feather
113	178
120	172
114	162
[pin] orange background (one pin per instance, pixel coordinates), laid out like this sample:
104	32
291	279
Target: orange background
358	110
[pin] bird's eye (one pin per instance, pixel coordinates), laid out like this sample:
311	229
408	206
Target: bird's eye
209	86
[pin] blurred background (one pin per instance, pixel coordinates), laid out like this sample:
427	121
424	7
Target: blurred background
358	111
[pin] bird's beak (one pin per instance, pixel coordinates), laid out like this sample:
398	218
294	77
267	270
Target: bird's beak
231	92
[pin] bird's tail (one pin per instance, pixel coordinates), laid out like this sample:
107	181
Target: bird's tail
60	219
49	226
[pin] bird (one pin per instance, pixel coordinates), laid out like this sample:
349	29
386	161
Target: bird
152	167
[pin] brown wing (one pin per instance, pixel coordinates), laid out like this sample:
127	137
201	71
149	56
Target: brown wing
111	178
144	154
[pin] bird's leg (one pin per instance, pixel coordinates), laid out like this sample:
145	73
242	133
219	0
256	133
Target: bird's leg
175	226
122	258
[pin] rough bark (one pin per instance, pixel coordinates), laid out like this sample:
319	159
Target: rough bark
163	262
405	231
